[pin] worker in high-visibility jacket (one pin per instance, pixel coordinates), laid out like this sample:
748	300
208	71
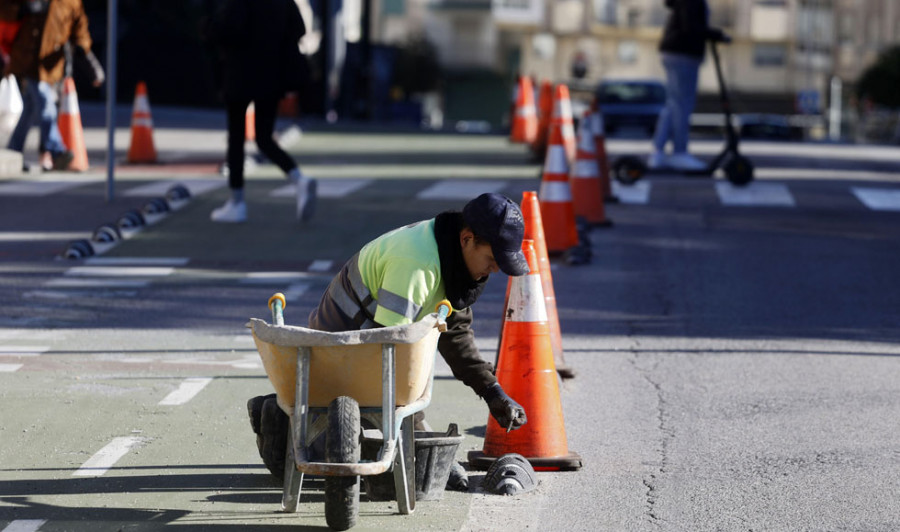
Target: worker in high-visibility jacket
399	277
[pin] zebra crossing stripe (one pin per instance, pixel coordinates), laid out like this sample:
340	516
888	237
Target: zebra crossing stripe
634	194
106	457
23	350
320	265
186	391
135	261
119	271
296	290
878	199
24	525
755	194
451	189
327	188
39	188
159	188
68	282
9	368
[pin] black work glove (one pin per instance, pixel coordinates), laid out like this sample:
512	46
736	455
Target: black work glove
508	413
717	35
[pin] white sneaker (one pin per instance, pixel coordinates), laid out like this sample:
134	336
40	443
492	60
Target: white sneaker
657	160
231	212
306	198
686	162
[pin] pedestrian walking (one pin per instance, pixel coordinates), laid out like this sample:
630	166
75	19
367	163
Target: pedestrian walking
399	277
37	59
257	41
682	49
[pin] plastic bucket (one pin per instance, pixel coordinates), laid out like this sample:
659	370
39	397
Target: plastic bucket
435	453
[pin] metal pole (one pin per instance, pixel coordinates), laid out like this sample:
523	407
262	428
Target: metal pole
834	115
111	45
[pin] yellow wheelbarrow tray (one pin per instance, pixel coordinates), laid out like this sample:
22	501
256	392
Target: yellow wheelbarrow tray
310	369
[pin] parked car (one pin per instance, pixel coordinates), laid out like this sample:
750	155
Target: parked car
631	103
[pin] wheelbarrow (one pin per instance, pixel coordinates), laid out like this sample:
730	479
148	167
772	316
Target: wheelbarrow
328	382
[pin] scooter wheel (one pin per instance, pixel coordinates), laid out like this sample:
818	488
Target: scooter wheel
738	170
627	170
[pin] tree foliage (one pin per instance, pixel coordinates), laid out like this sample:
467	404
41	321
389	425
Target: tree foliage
880	82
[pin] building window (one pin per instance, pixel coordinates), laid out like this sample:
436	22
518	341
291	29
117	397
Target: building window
769	55
628	52
605	12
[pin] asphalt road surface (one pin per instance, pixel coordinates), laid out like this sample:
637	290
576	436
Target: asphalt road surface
736	349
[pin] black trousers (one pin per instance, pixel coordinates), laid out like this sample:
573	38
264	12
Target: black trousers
265	126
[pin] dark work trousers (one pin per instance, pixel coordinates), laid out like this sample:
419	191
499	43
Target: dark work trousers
265	125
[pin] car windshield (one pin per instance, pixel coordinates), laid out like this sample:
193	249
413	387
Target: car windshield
630	93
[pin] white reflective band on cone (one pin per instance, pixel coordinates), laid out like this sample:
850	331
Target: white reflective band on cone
564	109
69	105
585	169
526	300
142	121
556	162
526	111
555	192
141	105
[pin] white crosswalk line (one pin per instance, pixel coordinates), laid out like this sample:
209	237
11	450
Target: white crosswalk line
295	290
755	194
42	236
186	391
23	350
159	188
9	368
320	265
119	271
878	199
460	189
24	525
39	188
327	188
635	194
106	457
68	282
135	261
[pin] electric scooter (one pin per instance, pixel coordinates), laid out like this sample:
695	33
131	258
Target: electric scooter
737	168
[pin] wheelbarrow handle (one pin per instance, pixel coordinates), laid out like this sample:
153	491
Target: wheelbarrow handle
443	309
277	304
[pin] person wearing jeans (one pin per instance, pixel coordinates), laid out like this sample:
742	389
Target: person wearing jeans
39	105
682	48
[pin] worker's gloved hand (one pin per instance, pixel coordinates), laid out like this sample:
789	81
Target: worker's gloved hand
717	35
508	413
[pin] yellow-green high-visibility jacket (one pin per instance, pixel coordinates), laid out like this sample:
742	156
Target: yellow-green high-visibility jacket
394	280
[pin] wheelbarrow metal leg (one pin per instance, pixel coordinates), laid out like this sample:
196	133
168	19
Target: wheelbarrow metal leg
296	447
405	468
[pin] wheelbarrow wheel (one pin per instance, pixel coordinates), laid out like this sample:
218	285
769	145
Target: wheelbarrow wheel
342	446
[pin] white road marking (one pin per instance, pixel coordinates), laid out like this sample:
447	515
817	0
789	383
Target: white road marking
634	194
96	283
132	261
23	350
878	199
186	391
273	277
24	525
295	290
106	457
159	188
42	236
327	188
755	194
9	368
460	189
39	188
320	265
119	271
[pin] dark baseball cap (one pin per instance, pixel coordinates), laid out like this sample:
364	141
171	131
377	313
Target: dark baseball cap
498	220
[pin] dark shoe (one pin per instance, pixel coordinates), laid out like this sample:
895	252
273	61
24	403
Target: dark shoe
62	160
458	480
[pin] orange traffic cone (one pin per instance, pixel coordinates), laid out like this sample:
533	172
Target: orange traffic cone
70	126
587	187
544	114
524	122
557	210
599	131
527	373
142	149
562	117
250	122
534	231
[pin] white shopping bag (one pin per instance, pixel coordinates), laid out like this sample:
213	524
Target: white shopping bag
10	105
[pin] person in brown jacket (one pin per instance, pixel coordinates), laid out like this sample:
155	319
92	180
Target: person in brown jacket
37	59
